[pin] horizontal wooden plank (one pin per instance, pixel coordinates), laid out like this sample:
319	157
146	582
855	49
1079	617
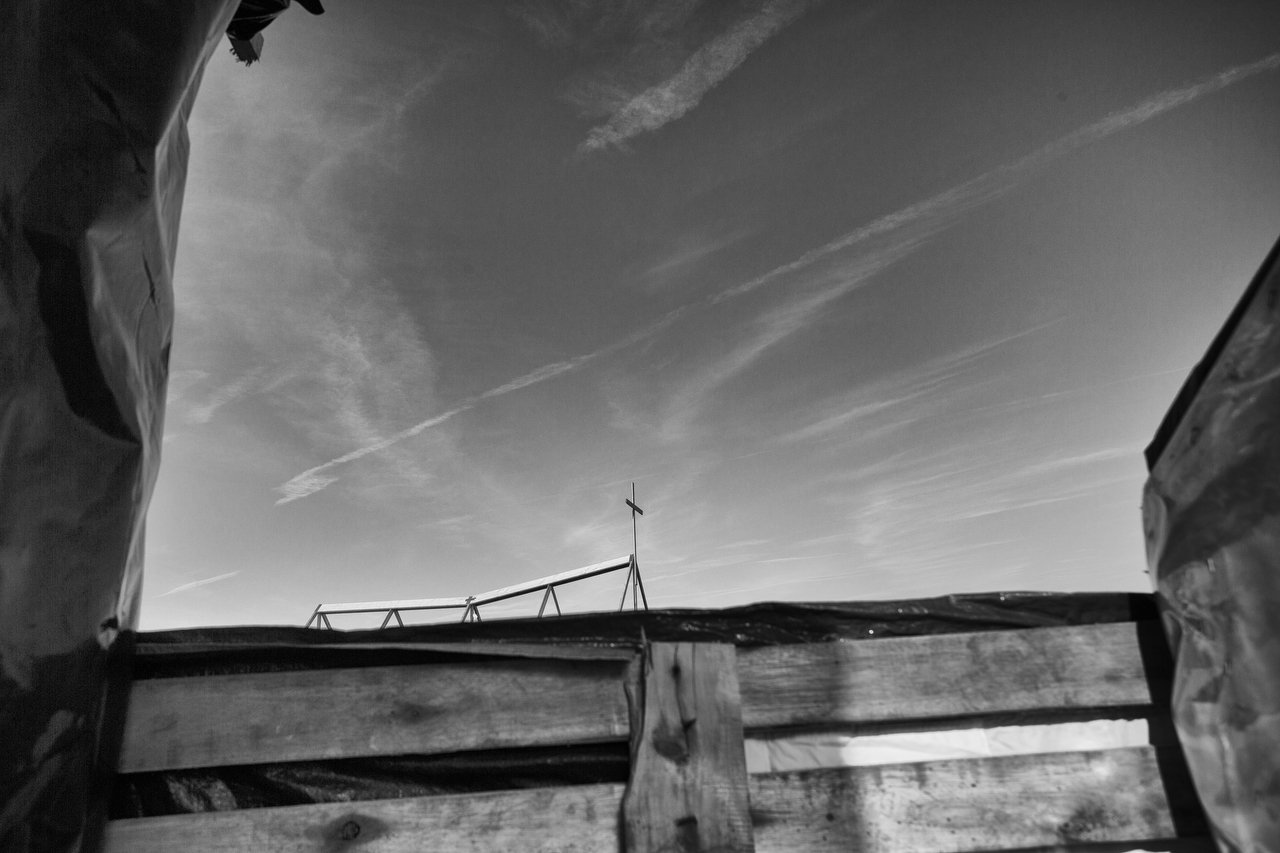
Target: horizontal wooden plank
1111	796
583	818
431	708
256	718
943	676
164	652
1009	803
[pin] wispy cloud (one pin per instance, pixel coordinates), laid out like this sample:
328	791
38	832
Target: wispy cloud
743	543
706	68
1000	180
197	584
911	394
934	514
1059	464
848	262
311	304
314	479
688	250
245	383
775	326
588	25
1050	397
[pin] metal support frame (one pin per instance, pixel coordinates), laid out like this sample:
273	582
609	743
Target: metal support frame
636	587
390	613
470	605
551	594
389	609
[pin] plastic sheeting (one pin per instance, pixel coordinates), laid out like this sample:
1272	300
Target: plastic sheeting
94	99
1212	516
211	651
208	650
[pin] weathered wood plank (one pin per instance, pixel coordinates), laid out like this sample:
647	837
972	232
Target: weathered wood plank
483	648
944	676
688	787
1111	796
295	716
1009	803
565	820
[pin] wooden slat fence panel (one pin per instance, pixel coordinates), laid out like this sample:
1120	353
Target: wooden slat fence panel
943	676
581	819
1007	803
222	720
688	788
1010	803
431	708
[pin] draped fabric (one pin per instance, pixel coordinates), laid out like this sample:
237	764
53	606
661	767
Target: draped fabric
94	99
1212	515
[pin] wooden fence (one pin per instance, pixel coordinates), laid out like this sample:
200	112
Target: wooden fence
684	708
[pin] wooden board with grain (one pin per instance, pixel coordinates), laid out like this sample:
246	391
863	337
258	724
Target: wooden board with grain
688	788
223	720
943	676
581	819
1007	803
1011	803
430	708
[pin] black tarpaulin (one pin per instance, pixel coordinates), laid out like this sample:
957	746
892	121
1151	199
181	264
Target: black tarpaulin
1212	514
94	99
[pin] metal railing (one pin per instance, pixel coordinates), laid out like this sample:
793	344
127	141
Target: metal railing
470	605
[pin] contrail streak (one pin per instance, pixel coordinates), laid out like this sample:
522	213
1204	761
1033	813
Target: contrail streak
199	583
1001	179
703	71
948	203
314	479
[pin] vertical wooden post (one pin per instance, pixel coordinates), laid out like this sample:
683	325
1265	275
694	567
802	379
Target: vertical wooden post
688	787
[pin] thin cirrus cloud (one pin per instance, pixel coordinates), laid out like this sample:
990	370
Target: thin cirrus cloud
241	386
909	229
366	351
197	584
915	504
920	520
705	69
910	394
314	479
1000	180
926	218
772	328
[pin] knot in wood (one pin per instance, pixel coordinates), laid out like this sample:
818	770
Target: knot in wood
687	839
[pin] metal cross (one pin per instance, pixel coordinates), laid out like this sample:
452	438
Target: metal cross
635	548
633	577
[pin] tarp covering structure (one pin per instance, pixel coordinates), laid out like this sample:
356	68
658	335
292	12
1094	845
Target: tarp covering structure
1212	515
94	99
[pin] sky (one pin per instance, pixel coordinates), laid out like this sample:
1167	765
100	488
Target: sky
870	300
